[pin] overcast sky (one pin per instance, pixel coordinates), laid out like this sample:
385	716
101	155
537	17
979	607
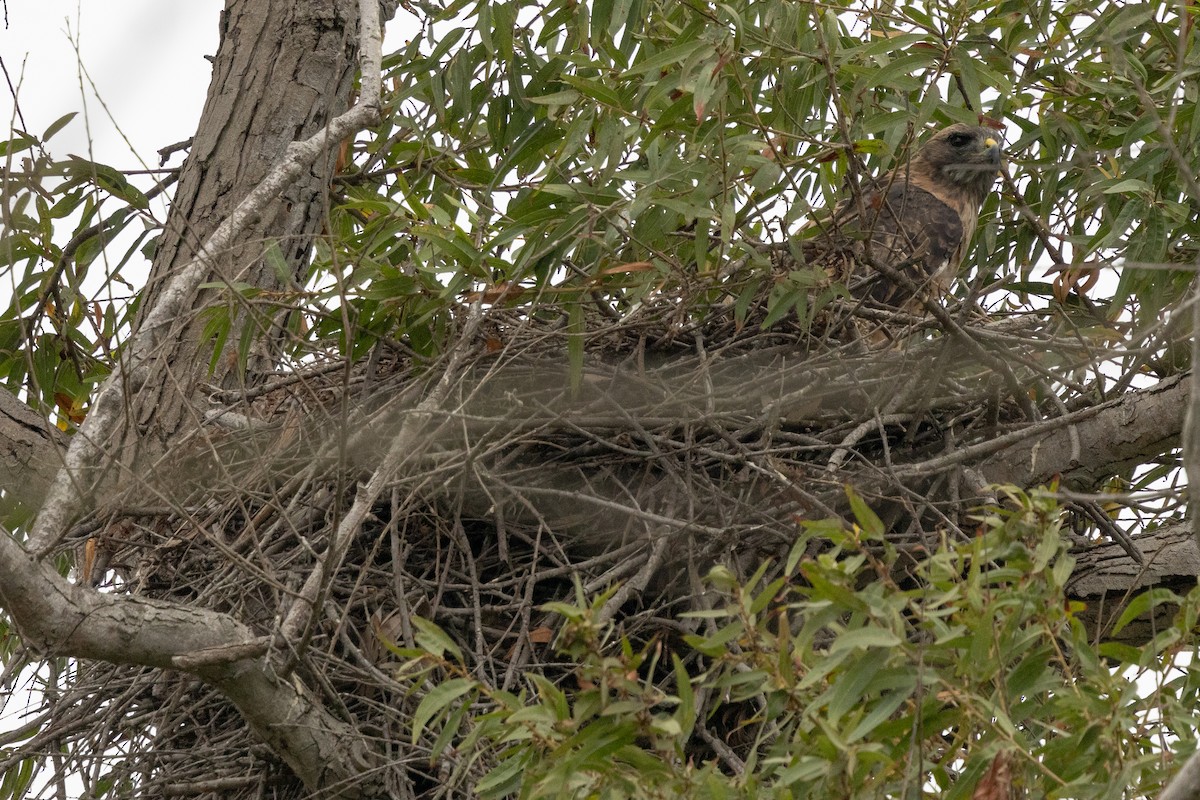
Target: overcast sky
145	58
135	70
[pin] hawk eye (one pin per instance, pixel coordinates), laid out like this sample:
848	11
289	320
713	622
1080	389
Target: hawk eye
960	139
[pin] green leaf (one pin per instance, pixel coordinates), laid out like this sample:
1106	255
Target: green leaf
527	147
887	76
434	640
1142	604
434	703
595	90
504	779
867	519
847	691
1129	185
1026	674
669	57
58	125
864	639
16	144
883	710
565	97
686	712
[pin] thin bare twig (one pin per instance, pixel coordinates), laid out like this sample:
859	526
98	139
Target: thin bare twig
86	451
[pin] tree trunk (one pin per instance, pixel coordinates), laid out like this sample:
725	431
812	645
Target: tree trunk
30	451
282	71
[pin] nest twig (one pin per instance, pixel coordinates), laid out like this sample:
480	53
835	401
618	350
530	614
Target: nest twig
681	441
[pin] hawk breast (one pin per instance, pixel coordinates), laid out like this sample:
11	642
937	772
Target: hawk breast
911	230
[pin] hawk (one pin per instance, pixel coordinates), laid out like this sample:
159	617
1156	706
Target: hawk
916	221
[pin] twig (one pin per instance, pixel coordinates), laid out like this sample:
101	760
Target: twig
164	153
731	759
612	505
403	447
87	446
639	581
212	785
1092	510
998	443
863	428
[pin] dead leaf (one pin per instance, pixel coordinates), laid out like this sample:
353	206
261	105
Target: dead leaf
72	408
997	783
632	266
542	635
1079	279
991	122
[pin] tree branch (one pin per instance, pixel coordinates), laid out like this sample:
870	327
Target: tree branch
64	619
87	446
30	451
1123	432
1186	784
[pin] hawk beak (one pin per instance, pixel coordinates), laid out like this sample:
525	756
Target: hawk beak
993	154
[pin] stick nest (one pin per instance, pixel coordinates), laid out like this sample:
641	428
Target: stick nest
572	448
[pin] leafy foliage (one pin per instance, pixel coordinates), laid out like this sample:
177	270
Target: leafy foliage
557	153
554	156
833	680
69	299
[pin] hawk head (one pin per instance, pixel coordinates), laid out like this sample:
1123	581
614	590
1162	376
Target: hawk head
965	157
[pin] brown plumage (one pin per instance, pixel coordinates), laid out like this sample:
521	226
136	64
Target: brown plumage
917	219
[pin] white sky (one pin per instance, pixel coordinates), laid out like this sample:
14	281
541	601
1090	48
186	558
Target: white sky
145	57
134	70
146	61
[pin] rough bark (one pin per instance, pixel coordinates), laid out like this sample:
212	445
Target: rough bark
1186	783
1125	432
282	71
30	451
61	618
1105	578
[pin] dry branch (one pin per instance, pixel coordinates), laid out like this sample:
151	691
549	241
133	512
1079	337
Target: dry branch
66	619
60	618
106	414
1122	432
